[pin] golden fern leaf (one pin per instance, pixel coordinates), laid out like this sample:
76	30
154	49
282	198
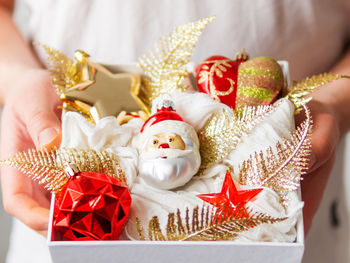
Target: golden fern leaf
140	229
223	132
230	227
206	225
64	71
154	231
165	67
281	168
41	166
90	160
300	89
48	167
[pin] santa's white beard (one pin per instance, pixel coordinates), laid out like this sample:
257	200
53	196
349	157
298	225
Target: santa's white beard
175	170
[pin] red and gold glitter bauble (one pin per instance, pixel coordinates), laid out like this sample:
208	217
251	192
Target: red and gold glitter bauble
260	81
240	83
217	76
92	206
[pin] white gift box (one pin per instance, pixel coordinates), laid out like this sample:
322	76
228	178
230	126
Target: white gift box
176	251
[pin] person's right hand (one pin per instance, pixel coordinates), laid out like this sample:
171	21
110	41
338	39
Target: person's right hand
30	119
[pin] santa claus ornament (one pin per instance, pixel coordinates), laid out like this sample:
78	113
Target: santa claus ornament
168	147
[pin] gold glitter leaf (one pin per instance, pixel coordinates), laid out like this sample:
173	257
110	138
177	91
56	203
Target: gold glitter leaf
300	89
206	224
47	167
280	168
165	67
65	73
224	131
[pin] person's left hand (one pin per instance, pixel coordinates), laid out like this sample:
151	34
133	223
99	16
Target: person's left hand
325	137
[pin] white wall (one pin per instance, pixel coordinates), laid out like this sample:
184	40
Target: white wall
5	226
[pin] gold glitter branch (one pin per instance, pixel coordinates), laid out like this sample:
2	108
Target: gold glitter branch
48	167
165	68
205	224
41	166
281	168
300	89
223	132
65	73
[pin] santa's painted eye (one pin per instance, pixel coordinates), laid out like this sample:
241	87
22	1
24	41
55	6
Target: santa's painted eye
171	139
155	141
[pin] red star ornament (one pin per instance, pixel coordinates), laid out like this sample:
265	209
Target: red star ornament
230	197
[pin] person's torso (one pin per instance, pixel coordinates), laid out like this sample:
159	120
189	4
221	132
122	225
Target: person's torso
309	34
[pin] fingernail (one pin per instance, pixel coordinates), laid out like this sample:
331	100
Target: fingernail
47	136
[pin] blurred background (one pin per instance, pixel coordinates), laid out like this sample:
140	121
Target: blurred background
5	227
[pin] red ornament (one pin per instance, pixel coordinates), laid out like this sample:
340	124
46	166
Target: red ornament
217	76
92	206
230	197
241	82
163	114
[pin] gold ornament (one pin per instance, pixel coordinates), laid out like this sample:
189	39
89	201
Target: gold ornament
300	90
48	167
165	68
280	168
260	80
242	55
65	73
91	89
224	131
204	225
125	117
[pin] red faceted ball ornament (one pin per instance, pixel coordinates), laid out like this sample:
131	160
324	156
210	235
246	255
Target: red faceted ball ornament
92	206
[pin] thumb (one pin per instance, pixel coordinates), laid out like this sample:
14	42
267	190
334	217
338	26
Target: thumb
40	119
44	129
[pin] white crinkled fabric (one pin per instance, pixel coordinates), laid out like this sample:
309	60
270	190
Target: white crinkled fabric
147	202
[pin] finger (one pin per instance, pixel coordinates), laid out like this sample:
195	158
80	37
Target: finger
325	134
324	138
40	115
21	197
312	189
24	200
28	211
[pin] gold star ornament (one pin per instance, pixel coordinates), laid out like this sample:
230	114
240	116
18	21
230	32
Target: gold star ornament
90	89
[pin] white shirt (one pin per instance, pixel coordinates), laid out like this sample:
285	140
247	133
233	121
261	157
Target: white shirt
310	34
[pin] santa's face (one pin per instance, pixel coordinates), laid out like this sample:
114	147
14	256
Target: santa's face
165	140
166	162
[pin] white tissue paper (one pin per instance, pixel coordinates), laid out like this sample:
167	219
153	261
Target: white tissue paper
147	202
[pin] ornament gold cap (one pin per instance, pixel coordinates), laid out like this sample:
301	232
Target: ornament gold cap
71	169
80	55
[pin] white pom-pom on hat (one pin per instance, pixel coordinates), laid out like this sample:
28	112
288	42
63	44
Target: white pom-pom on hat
162	101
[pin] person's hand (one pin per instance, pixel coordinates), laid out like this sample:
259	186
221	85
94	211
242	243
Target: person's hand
325	137
30	119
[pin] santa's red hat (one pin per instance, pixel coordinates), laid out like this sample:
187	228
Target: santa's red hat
165	119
